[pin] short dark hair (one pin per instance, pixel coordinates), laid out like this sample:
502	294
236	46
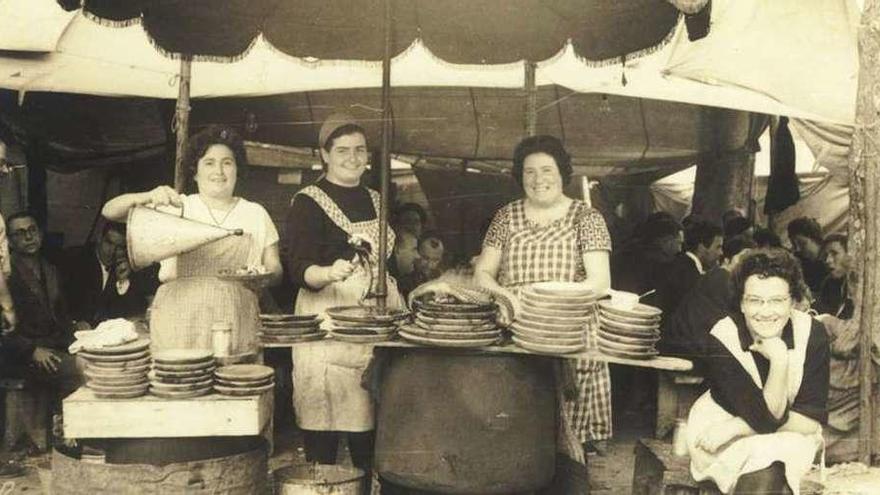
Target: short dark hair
734	245
211	135
340	131
765	238
405	207
657	225
108	226
840	238
736	226
766	263
700	232
548	145
807	227
22	214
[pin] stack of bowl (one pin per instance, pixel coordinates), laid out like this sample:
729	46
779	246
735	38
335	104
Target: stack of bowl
290	329
628	331
448	322
182	373
554	317
364	324
118	372
244	379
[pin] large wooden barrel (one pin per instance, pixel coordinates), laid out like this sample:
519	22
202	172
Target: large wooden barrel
239	474
466	422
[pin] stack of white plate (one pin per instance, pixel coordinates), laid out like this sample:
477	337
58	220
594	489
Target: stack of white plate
364	325
182	373
554	317
452	323
118	372
628	332
290	329
244	379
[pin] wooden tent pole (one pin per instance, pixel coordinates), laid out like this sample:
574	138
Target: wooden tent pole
181	121
531	90
385	166
864	224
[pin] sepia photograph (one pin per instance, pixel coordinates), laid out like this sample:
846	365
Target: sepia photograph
440	247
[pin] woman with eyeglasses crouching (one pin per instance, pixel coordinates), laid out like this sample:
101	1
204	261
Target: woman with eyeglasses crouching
759	426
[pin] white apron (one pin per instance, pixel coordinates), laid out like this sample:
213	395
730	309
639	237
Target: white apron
327	392
756	452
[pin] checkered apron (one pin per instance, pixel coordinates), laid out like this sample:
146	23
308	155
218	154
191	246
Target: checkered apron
552	253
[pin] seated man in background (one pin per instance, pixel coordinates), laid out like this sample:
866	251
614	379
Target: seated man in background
836	310
702	249
43	330
805	235
707	302
99	283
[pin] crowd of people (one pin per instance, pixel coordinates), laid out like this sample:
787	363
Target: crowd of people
733	300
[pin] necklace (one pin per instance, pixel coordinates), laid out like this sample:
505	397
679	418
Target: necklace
211	212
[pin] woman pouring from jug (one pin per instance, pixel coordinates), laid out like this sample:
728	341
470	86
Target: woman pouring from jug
192	298
333	232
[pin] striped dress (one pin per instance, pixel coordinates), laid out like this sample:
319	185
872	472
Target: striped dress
554	252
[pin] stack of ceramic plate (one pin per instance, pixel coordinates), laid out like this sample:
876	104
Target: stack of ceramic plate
118	372
182	373
451	323
244	379
363	324
554	317
628	332
290	329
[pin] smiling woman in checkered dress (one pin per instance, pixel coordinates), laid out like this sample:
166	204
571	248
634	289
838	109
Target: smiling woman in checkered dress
548	236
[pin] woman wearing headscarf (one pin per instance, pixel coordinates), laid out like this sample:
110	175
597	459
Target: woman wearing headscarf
332	255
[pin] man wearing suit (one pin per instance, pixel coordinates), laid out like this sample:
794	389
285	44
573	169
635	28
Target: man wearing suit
702	249
99	282
43	329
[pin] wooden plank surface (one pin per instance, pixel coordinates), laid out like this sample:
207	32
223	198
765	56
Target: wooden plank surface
660	362
86	416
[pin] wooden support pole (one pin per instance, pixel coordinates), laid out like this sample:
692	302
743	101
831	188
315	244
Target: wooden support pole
181	122
531	107
385	166
864	224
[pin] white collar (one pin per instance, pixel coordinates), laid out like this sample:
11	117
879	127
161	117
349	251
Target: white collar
696	261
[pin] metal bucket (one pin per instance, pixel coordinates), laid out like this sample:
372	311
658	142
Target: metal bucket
318	479
154	235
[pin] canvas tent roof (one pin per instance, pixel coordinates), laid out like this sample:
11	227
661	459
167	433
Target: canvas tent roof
440	108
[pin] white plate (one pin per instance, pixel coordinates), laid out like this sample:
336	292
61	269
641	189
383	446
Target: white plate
567	289
543	310
548	349
127	348
183	356
638	311
436	334
627	355
611	336
447	342
244	372
538	339
527	319
548	303
647	347
241	391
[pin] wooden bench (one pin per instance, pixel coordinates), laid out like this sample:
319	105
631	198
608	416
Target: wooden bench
676	393
27	413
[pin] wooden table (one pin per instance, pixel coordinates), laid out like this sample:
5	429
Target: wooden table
660	362
148	416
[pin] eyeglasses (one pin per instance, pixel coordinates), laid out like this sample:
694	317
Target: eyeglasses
30	231
758	302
